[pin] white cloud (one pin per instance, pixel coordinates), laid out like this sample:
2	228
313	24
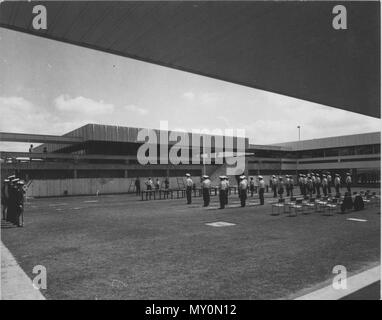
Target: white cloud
19	115
136	109
82	105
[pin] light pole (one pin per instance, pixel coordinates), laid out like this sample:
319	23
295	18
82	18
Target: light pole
299	128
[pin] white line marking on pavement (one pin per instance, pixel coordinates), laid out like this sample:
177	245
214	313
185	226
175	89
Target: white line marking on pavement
15	284
354	284
220	224
355	219
89	201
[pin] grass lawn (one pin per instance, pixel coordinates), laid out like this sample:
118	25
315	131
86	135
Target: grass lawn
117	247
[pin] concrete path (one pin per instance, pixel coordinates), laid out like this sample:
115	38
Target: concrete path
15	284
354	284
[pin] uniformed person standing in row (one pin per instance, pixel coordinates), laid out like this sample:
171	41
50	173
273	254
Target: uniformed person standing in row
206	186
261	190
189	185
280	187
291	182
313	177
287	185
300	179
329	178
348	182
4	198
222	192
337	183
274	186
19	207
227	191
324	185
309	185
251	186
15	206
304	184
318	185
243	187
11	201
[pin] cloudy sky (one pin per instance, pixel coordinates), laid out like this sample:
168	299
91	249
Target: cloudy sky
51	87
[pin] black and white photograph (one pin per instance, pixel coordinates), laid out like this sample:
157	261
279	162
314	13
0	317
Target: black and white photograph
192	155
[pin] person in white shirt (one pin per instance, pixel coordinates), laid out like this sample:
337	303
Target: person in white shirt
329	178
348	182
149	184
318	185
337	183
222	192
206	186
300	183
287	184
261	190
324	185
226	180
313	176
243	186
189	185
274	186
291	186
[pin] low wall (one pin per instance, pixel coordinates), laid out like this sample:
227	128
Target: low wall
89	186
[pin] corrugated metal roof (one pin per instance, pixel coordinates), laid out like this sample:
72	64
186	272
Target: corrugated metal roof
333	142
287	47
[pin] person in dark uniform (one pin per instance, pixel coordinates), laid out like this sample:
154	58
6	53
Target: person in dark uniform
137	186
4	198
189	187
261	190
12	201
19	206
206	185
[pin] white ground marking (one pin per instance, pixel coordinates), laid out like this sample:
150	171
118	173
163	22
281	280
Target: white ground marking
355	219
220	224
354	284
15	284
89	201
